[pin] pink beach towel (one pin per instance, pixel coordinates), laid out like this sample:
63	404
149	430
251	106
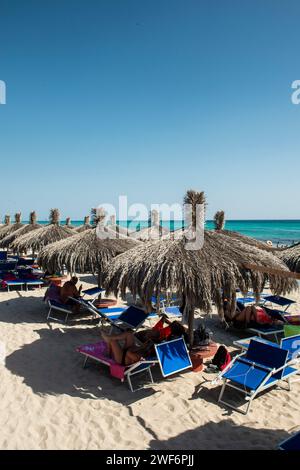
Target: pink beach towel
100	351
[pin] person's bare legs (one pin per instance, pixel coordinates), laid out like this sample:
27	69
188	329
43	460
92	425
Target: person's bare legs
126	336
115	349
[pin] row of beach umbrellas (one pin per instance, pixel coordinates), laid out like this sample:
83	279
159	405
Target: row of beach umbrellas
226	261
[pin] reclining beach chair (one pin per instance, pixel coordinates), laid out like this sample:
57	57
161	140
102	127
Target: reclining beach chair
261	367
291	344
99	353
292	443
131	317
54	305
278	300
172	357
95	292
267	330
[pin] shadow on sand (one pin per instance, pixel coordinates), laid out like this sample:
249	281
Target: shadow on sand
51	365
210	436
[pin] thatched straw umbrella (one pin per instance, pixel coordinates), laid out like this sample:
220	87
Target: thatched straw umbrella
41	237
198	275
219	222
154	231
33	225
291	257
88	251
86	225
10	228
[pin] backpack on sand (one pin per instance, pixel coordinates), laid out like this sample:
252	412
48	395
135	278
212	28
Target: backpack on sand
222	358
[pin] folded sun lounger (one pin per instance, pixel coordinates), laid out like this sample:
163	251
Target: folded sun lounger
261	367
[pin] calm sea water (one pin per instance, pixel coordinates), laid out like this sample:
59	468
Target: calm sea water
278	231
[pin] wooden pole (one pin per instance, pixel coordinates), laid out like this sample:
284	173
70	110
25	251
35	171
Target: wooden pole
276	272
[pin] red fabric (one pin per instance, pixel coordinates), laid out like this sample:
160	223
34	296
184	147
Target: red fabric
7	277
164	332
262	317
226	362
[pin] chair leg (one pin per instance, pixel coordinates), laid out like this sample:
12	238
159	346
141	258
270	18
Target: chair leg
151	376
49	313
222	390
85	362
129	382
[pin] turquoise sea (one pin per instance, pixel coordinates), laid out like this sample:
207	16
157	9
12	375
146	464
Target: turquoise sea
278	231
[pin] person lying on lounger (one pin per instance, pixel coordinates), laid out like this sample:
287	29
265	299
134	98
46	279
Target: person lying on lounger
250	316
123	348
68	290
159	332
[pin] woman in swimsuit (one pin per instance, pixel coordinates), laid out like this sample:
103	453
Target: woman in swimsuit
122	346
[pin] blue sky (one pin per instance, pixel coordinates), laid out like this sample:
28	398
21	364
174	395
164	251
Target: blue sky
148	99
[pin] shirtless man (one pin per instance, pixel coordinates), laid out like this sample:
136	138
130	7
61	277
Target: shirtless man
69	289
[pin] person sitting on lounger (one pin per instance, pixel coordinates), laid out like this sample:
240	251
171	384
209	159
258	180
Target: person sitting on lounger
249	316
123	350
122	347
68	290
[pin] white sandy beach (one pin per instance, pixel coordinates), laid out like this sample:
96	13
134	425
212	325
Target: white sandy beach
48	401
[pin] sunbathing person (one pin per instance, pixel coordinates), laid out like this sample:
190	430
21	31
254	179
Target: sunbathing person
122	346
68	290
159	332
250	316
123	350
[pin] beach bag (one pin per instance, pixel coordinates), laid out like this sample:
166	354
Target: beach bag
201	337
222	358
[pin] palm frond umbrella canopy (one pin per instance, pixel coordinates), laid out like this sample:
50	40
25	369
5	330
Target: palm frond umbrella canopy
10	228
291	257
219	222
88	251
198	275
154	231
33	225
86	225
37	239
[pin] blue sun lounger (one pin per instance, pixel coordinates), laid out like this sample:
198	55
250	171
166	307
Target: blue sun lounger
173	357
267	330
95	292
278	300
172	311
291	344
259	368
292	443
23	282
132	317
58	307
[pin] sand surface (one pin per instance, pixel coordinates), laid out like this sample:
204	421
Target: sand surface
48	401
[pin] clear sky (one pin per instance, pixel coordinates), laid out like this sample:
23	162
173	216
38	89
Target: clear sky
148	98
